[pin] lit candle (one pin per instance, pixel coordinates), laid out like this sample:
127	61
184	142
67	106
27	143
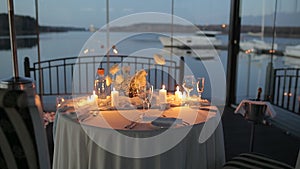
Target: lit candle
93	97
162	95
114	97
178	94
59	101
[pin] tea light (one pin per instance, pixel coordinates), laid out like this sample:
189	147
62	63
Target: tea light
59	101
178	94
114	97
162	95
93	97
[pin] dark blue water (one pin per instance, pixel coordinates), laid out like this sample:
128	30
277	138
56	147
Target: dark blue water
251	68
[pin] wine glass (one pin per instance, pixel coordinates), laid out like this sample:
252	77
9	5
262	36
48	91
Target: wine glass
188	84
146	93
200	86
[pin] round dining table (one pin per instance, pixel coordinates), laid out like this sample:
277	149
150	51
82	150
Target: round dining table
179	137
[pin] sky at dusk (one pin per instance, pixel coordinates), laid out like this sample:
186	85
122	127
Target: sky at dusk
83	13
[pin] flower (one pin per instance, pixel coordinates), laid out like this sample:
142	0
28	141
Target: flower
114	69
139	80
126	69
108	80
119	79
159	59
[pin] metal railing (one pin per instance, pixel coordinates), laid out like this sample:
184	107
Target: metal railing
61	75
286	89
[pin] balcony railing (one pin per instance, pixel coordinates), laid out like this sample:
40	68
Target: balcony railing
59	76
286	89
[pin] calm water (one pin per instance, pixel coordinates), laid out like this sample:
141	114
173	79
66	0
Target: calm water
251	68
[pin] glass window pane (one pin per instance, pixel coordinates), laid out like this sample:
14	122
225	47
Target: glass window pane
269	36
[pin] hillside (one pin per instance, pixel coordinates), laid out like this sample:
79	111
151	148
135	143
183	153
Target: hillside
26	25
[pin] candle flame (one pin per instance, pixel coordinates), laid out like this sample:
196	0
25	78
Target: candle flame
163	86
177	88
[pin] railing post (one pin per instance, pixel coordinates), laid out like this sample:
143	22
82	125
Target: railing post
269	82
181	69
274	86
26	67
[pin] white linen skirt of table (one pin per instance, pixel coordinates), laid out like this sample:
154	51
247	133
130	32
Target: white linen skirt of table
75	150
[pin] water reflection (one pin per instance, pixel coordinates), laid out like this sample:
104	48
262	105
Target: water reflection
23	42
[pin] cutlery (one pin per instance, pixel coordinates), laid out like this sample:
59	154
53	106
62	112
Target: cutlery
129	125
208	109
133	125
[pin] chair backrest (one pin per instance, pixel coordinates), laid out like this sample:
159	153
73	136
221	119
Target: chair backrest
255	112
254	160
23	142
298	161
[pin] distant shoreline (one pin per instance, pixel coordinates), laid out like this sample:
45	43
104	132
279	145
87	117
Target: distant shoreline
290	32
26	25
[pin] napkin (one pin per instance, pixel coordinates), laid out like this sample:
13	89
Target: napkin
166	121
85	109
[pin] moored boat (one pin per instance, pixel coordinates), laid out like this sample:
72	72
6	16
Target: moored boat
201	39
292	51
256	45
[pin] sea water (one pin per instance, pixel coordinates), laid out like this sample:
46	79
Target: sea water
251	68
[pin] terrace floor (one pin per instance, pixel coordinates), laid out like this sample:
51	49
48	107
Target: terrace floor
268	140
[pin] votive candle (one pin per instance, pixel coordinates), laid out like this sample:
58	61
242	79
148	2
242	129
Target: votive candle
162	95
178	94
114	97
92	98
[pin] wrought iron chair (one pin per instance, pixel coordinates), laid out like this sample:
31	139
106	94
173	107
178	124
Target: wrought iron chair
255	160
23	142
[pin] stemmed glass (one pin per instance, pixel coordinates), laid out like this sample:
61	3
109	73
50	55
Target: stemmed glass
200	86
146	93
188	84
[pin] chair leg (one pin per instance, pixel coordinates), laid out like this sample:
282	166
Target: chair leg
252	137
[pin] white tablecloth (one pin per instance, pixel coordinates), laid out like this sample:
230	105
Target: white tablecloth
270	112
74	148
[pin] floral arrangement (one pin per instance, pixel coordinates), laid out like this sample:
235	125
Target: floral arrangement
159	59
125	82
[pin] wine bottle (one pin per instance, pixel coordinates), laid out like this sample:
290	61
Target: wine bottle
100	86
259	90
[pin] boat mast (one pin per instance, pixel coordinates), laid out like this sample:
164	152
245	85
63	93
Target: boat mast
263	20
